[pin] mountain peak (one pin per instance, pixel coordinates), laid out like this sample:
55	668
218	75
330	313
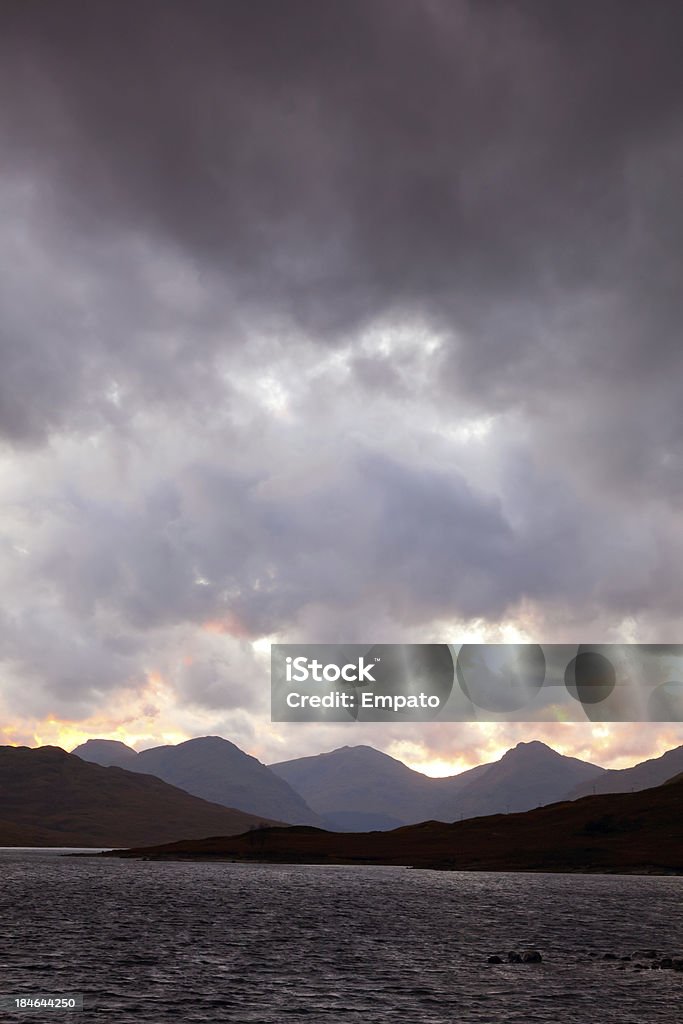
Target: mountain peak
92	744
531	748
359	748
108	753
209	741
363	756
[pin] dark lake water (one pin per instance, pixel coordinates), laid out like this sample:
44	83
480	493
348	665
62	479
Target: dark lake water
148	942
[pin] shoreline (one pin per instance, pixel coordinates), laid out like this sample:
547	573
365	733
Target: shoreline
177	858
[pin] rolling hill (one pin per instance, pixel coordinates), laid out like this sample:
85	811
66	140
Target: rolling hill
623	832
51	798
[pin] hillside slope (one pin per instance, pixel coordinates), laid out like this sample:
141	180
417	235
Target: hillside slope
214	769
51	798
527	776
653	772
623	832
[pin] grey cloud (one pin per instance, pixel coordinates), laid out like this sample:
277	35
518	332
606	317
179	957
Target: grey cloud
211	543
343	160
508	172
93	330
378	550
201	194
415	543
53	664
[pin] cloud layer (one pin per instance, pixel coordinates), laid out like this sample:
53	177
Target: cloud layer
331	322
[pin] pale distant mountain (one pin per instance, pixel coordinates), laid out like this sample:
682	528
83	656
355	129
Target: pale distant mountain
360	787
359	784
635	833
357	787
214	769
108	753
641	776
51	798
359	821
530	775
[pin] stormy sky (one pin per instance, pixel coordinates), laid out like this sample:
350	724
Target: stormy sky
332	321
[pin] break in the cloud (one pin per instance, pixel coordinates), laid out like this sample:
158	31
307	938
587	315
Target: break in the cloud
354	321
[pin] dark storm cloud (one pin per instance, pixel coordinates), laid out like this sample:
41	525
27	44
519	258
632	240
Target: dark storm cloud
509	171
198	197
87	320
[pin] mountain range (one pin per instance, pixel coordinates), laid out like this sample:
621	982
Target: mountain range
51	798
359	787
617	832
212	768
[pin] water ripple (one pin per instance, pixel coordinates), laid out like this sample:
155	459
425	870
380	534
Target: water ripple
259	944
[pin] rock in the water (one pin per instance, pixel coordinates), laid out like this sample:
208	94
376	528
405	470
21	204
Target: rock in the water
666	962
610	956
494	960
527	956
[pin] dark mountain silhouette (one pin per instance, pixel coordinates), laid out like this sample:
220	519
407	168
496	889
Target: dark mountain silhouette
51	798
530	775
645	775
214	769
623	832
347	784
